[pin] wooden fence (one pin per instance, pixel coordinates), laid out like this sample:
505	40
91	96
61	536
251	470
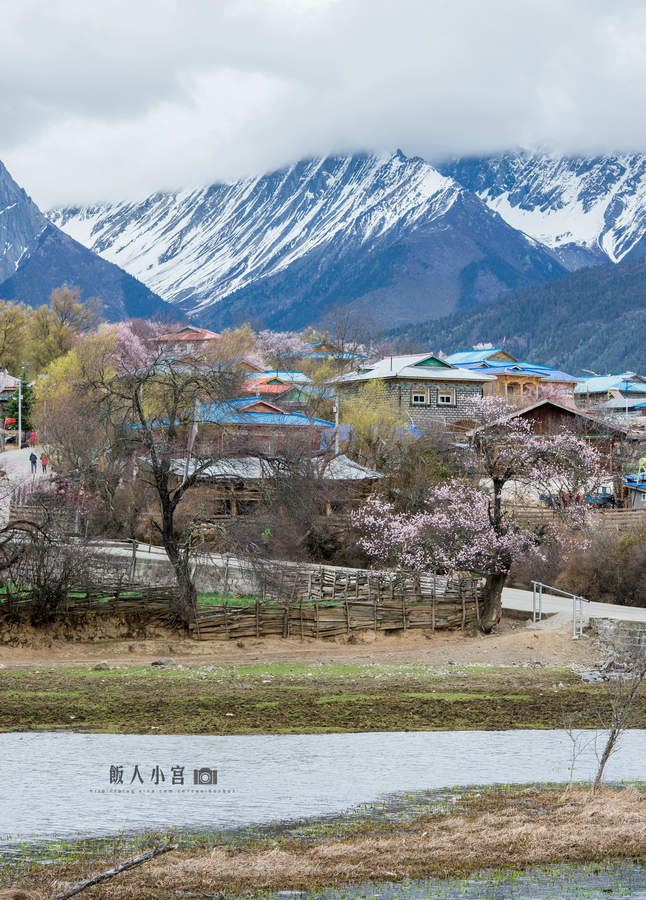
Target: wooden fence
615	519
290	599
331	601
106	599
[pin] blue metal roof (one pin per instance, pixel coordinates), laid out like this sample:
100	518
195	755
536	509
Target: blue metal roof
232	412
291	377
601	384
462	357
635	481
495	367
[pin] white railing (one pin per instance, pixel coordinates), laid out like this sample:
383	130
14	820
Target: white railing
537	606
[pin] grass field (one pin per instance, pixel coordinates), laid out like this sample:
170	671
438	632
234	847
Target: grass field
284	697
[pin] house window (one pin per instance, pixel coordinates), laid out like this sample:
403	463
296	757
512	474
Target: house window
446	397
417	398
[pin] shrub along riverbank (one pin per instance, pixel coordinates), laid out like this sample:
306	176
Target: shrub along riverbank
503	831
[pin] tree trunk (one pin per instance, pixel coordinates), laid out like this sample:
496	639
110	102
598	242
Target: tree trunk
179	554
492	601
187	598
186	602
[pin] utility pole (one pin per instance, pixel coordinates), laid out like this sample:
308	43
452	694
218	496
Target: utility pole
336	424
20	411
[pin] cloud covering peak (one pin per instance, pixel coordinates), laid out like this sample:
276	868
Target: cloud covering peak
115	101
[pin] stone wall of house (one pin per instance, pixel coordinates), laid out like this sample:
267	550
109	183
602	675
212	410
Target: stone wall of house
426	415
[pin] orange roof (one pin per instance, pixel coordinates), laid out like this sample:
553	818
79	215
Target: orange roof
263	388
189	333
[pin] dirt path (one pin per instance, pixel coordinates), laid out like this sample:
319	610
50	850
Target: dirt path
513	643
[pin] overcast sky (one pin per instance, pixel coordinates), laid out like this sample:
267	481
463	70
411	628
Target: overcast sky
116	99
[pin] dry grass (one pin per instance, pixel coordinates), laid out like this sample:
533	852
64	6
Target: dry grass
505	829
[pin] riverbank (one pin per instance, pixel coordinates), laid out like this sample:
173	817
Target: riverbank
454	837
290	697
519	677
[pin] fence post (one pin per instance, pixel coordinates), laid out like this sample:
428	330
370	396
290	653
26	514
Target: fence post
433	603
345	600
286	620
464	605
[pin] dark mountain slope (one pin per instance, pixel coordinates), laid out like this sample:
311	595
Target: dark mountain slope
36	257
594	318
57	259
461	258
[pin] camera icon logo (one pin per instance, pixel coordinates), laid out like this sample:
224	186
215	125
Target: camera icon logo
205	776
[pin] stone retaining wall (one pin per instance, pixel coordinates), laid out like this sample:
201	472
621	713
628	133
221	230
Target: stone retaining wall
625	640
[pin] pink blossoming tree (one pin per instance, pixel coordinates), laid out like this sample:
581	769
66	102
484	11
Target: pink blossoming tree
465	526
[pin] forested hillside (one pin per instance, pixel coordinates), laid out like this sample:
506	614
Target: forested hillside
594	319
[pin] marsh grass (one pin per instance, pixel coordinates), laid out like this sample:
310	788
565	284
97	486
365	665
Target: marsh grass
461	839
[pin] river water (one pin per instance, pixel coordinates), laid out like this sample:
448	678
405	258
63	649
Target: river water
66	784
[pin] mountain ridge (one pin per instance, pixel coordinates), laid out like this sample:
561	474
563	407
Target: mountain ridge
587	210
288	243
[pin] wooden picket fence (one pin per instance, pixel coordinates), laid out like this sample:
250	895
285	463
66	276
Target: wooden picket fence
330	601
119	598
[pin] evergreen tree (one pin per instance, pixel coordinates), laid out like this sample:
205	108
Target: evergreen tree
11	409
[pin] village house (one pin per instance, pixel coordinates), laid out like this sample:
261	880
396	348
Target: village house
187	341
603	388
254	424
514	380
635	488
8	429
273	385
548	417
237	485
327	350
551	417
428	389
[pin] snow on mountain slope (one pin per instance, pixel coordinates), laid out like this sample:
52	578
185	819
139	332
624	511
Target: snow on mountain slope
587	211
198	246
21	223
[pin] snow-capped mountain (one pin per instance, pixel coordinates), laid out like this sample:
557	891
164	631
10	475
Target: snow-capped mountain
387	229
36	257
587	210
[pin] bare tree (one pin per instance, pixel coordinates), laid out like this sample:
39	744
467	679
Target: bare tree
351	328
620	711
151	406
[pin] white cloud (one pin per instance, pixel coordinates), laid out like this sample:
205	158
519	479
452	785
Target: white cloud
114	100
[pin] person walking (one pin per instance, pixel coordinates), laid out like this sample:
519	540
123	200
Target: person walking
44	462
33	459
